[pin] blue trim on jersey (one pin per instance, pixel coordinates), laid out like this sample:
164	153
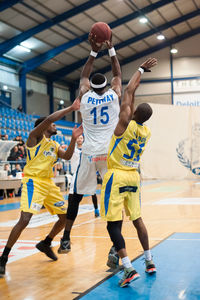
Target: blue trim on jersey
75	181
107	193
30	190
29	155
37	150
115	145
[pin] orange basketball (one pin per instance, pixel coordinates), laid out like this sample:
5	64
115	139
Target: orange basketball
100	32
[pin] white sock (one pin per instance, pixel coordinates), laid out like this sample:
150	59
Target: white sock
126	262
147	254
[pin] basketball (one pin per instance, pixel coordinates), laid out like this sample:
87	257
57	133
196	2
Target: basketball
100	32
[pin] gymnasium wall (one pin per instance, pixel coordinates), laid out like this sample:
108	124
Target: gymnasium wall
173	152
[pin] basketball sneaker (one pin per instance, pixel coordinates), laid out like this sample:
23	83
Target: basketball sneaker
113	258
150	267
96	213
3	261
130	274
65	246
41	246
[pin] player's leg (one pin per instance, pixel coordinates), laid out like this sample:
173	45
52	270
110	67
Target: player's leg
133	209
72	211
111	210
113	257
84	182
144	240
116	237
13	237
55	204
95	203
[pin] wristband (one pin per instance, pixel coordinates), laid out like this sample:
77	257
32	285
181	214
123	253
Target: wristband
112	52
93	53
141	70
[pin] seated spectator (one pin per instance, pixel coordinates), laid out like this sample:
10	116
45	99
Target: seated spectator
5	137
7	168
13	154
16	170
21	142
20	108
10	192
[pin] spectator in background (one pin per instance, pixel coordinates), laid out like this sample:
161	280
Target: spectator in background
13	154
20	108
9	174
5	137
21	142
16	170
7	168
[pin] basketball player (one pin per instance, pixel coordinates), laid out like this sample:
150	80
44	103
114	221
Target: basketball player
121	184
38	188
74	164
99	111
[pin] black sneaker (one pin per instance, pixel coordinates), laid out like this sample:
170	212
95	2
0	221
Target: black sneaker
3	261
46	249
65	246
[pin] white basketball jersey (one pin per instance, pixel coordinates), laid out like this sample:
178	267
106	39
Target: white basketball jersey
100	114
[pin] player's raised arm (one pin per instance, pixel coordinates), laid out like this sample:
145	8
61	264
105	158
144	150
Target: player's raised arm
87	69
70	150
39	130
116	83
127	107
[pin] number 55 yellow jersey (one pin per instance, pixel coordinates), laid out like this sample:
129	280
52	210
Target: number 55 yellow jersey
125	151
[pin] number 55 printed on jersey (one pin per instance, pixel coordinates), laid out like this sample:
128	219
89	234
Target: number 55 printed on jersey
136	150
103	113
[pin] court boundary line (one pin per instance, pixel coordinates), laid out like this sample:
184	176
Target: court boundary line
82	294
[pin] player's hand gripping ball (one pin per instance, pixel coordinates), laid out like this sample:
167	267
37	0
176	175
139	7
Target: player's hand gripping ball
100	32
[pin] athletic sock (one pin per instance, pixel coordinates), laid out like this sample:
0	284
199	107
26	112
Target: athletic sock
147	254
66	235
126	262
6	251
48	240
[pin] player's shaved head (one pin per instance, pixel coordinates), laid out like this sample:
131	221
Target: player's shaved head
143	113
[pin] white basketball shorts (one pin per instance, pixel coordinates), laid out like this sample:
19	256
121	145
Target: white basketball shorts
84	180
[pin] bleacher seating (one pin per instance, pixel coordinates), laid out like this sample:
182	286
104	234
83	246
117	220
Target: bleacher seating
14	123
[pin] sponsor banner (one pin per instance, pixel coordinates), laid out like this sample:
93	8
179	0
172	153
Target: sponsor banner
187	99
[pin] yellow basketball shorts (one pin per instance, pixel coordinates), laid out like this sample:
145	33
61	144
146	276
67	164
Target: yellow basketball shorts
120	189
37	192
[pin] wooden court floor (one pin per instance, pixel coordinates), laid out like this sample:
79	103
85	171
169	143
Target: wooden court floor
35	277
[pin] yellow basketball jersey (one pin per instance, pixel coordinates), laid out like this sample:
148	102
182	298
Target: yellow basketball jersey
125	151
41	158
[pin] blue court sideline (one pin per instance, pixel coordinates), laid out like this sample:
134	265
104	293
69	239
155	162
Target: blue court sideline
178	263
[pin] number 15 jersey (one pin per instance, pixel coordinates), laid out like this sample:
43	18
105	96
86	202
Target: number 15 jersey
125	151
100	114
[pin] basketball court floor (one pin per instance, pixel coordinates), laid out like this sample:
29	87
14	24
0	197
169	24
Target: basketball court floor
170	210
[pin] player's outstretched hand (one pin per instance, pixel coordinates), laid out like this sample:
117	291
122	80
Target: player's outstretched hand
148	64
96	47
77	131
76	104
